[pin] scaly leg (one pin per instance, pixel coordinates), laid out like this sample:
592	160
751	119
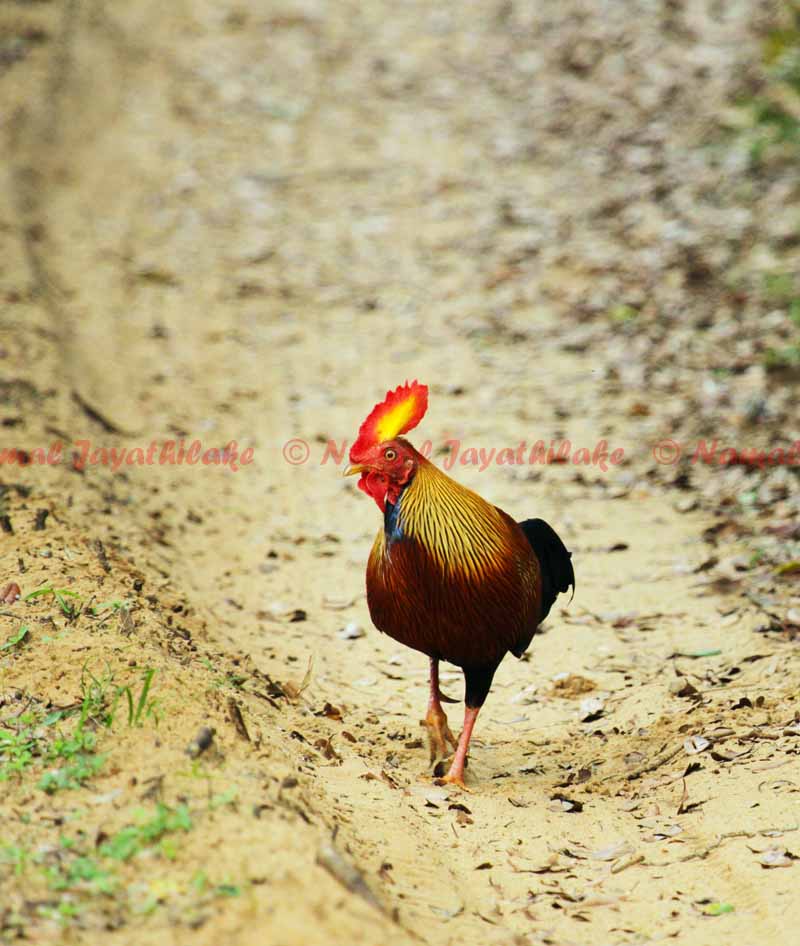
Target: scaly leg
456	774
436	721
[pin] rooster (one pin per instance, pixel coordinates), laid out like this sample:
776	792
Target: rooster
450	574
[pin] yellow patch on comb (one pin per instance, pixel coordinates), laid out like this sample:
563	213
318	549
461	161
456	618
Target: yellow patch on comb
400	412
396	420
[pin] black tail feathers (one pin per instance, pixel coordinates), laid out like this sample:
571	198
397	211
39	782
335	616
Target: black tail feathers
554	559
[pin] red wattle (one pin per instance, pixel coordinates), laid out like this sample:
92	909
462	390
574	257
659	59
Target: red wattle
374	485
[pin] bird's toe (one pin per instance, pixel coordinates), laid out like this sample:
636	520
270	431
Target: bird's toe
437	747
457	781
439	735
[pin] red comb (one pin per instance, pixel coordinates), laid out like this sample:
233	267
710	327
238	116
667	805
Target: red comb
400	412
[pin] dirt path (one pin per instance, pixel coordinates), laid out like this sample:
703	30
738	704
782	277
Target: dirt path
263	220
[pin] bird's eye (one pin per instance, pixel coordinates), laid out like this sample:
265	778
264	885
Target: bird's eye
390	454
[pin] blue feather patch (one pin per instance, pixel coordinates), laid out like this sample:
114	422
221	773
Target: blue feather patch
392	522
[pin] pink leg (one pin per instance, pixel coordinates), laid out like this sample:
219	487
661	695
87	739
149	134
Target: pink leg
456	773
439	734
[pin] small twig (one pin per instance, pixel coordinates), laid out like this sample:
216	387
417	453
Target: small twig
329	857
727	836
237	719
22	711
648	767
625	862
100	552
94	414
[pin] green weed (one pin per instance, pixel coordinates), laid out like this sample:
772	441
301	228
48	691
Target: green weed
15	639
97	700
22	746
233	680
17	751
782	289
774	112
132	839
112	606
623	313
81	873
228	797
141	707
16	857
77	751
70	609
228	890
786	357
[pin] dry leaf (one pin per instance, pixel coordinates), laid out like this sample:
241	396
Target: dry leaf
325	746
336	603
331	712
612	852
695	744
684	799
777	857
562	803
590	709
293	691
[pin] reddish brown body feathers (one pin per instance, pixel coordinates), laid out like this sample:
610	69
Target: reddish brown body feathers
451	575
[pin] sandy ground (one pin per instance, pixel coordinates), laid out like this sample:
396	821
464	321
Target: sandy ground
243	223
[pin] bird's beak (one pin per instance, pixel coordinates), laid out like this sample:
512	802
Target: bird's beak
353	468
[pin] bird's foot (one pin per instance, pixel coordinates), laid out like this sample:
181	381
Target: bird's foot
455	779
439	734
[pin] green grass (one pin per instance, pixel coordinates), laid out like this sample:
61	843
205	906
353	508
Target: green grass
775	110
141	707
112	606
15	857
69	608
147	831
79	873
83	876
233	680
786	357
61	747
623	313
782	289
15	639
35	742
228	797
775	132
77	770
775	126
17	751
72	605
102	697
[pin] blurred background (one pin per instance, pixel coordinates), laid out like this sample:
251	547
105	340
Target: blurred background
206	203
